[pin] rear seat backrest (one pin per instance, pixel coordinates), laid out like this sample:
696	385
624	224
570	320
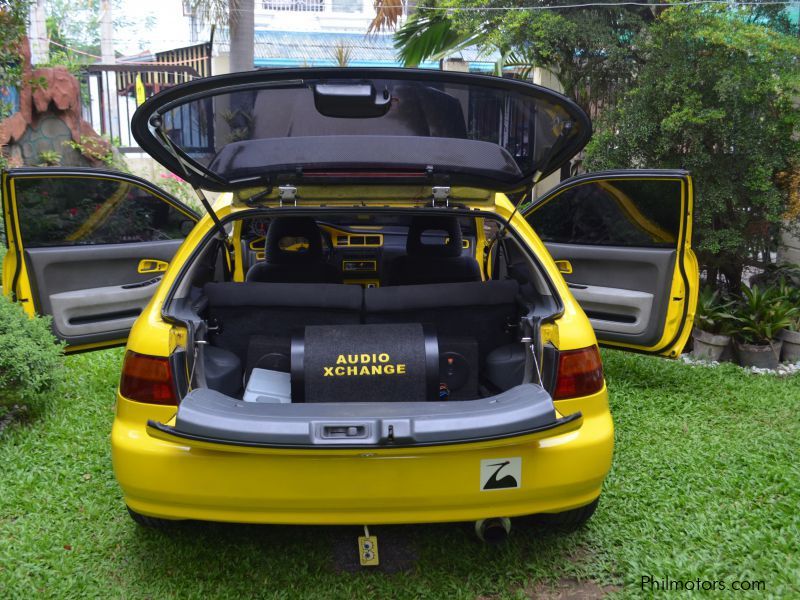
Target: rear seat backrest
257	318
275	311
482	310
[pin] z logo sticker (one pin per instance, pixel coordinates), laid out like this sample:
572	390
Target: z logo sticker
501	473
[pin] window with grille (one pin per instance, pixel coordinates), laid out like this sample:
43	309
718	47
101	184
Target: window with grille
294	5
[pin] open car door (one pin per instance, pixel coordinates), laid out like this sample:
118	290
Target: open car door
88	247
622	240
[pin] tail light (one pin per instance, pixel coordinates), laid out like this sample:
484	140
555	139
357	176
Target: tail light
147	379
580	373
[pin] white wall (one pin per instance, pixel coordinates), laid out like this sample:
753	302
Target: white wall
789	251
329	19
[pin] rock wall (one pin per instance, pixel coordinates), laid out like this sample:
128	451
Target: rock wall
48	119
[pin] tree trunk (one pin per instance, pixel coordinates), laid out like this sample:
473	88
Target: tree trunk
242	35
732	272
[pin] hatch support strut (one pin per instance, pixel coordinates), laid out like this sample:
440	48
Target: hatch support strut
201	196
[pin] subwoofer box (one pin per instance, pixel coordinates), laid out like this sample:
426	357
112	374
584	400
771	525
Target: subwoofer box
365	363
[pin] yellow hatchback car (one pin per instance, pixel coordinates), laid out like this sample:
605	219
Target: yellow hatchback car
376	322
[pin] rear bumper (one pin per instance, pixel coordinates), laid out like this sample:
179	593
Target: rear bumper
340	486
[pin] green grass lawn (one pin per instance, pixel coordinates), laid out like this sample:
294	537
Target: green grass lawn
705	485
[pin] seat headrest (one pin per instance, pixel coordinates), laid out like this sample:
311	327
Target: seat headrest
419	225
300	230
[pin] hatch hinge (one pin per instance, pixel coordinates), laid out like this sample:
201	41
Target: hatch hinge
287	193
441	195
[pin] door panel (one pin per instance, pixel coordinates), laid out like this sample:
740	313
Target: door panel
626	235
94	292
624	291
77	239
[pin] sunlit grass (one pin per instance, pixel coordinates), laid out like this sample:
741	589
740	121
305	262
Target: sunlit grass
705	484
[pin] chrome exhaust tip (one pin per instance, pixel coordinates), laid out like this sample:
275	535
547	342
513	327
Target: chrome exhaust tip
494	530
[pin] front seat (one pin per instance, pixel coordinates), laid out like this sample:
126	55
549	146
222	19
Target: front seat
433	263
293	266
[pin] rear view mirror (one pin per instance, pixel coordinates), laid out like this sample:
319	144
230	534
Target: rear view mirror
186	227
351	100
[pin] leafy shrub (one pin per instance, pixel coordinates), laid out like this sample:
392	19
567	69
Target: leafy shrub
715	313
789	290
762	313
786	274
715	95
30	356
181	190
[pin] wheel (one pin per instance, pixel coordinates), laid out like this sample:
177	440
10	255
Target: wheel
151	522
569	520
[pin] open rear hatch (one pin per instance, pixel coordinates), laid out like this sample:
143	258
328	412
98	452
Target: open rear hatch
348	126
207	416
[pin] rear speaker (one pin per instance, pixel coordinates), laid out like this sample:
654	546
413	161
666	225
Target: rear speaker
458	367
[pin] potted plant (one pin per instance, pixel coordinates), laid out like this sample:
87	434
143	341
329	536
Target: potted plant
790	335
761	314
711	335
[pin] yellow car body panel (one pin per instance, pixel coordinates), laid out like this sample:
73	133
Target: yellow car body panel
327	486
562	468
176	479
10	261
22	287
686	272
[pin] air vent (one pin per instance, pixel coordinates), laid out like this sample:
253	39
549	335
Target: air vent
374	240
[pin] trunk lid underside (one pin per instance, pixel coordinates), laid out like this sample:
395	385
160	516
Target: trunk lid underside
356	126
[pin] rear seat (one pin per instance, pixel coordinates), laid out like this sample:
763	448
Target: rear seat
257	319
485	311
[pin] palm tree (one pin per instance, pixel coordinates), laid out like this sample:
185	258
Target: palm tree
426	36
239	17
387	14
431	38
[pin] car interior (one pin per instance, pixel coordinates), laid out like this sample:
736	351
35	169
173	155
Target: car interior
367	278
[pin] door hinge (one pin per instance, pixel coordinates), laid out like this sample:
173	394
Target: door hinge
441	195
287	193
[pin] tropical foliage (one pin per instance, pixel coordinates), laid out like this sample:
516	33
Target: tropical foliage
30	357
589	50
761	314
13	15
238	17
710	89
714	312
717	96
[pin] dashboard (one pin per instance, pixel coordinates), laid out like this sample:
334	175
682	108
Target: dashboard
362	253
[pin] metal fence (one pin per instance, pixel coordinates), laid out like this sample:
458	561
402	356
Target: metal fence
109	91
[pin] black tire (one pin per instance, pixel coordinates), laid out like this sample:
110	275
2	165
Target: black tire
569	520
150	522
